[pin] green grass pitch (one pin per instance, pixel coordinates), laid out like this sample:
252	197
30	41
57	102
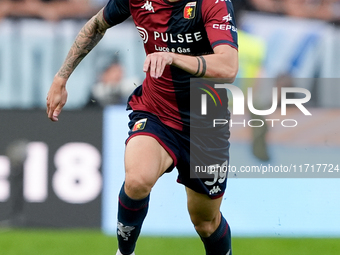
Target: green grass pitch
86	242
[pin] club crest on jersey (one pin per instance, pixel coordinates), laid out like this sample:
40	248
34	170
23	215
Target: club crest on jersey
189	10
139	125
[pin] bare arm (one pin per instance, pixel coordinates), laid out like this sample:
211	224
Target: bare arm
223	63
88	37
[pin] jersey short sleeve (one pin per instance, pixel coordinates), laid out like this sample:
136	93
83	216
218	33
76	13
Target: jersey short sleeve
116	11
219	21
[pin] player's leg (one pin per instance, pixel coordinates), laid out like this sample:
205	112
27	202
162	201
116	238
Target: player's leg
209	223
145	161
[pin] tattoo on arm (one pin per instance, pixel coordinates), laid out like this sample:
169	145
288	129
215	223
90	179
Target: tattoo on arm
204	68
198	67
86	40
199	72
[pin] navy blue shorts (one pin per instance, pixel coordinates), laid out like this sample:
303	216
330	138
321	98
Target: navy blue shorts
201	158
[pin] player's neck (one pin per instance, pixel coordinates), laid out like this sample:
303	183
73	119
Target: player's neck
173	1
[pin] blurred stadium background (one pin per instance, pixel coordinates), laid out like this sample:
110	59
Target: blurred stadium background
59	181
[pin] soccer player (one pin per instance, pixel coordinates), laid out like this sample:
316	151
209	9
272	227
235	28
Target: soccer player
182	39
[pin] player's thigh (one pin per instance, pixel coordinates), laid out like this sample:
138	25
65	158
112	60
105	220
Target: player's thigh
145	160
202	208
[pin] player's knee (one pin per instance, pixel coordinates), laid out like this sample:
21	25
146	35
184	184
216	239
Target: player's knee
137	187
205	227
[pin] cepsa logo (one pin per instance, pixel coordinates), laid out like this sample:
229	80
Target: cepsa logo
239	105
225	25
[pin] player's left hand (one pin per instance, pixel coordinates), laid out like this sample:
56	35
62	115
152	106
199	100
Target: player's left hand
155	63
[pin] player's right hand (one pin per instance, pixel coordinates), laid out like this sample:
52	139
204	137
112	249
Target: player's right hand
56	98
155	63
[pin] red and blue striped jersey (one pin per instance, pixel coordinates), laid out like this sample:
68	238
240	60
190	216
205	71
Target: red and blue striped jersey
183	27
